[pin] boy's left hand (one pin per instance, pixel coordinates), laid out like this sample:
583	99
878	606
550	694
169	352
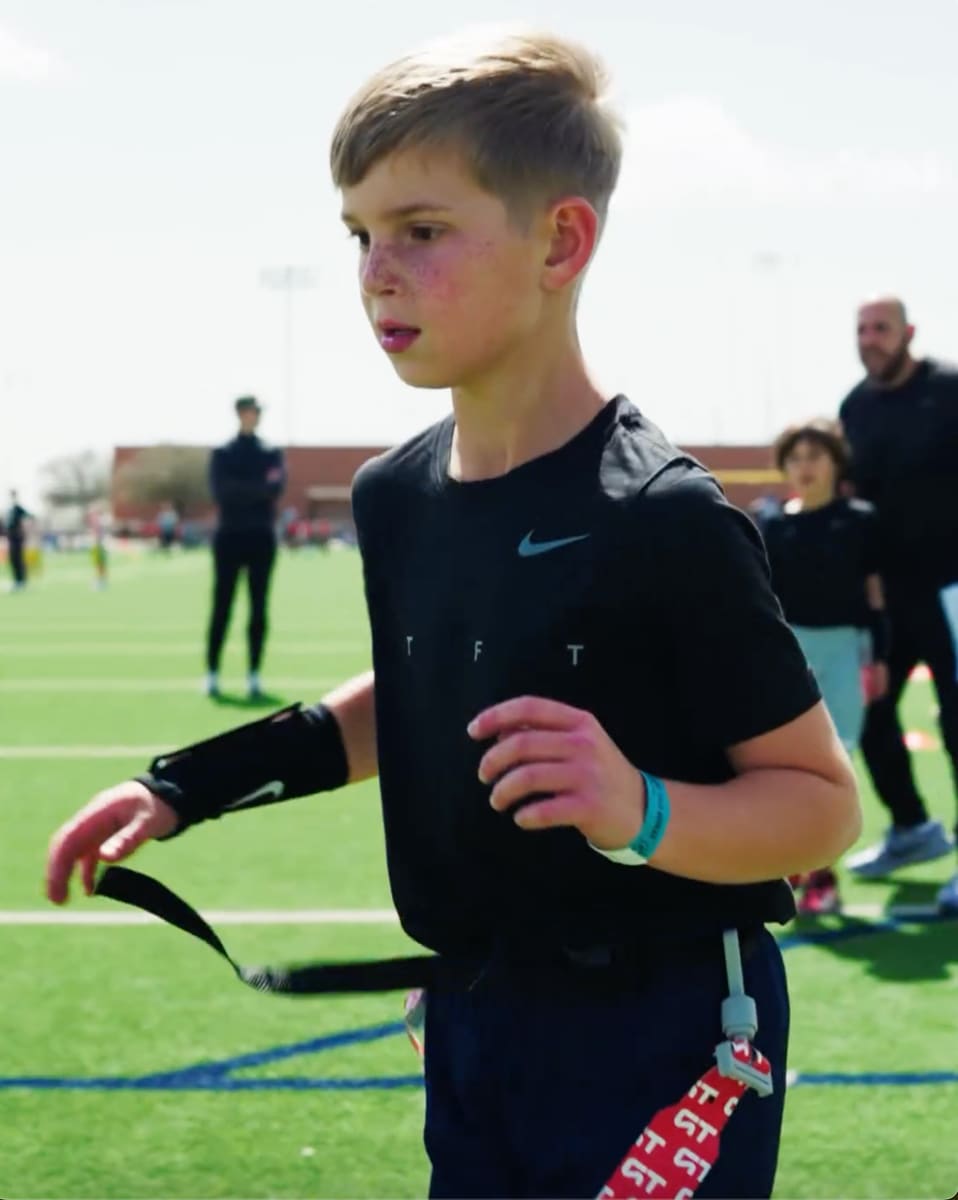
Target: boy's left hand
546	747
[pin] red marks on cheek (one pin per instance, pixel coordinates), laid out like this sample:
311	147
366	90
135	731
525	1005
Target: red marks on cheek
435	277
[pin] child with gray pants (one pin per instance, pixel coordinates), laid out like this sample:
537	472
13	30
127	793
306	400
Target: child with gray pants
823	553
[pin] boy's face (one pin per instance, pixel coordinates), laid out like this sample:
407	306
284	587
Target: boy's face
450	284
809	467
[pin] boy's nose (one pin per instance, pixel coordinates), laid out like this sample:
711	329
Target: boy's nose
378	276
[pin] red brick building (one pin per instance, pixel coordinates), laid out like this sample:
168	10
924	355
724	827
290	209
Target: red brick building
319	479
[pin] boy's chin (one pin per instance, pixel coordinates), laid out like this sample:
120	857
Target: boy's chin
422	375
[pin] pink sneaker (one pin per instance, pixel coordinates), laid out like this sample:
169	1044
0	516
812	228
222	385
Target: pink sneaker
819	894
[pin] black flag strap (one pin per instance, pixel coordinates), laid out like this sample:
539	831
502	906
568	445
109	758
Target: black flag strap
382	975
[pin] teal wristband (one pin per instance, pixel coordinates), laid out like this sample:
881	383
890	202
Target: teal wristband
654	824
657	812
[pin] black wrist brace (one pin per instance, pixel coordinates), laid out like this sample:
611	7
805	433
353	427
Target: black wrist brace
295	752
880	629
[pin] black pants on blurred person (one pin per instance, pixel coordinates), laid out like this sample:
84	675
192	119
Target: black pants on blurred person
235	551
18	564
921	632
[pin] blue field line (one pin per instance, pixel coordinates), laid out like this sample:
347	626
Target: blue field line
218	1075
187	1081
258	1058
873	1078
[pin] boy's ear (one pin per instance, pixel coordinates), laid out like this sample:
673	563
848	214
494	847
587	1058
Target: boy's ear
573	226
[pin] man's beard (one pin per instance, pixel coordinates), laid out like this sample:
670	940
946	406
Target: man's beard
892	368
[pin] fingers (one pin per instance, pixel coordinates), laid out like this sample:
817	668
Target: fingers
535	712
126	840
563	809
88	865
525	746
533	779
70	844
82	836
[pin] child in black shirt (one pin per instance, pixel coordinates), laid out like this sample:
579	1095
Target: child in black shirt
823	552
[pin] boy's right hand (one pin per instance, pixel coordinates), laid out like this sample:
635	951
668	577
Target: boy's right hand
109	828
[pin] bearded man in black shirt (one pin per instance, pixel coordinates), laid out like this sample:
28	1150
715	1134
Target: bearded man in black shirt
902	424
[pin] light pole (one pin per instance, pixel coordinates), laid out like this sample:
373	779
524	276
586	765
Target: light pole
288	280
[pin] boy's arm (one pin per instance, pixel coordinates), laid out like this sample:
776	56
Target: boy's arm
353	704
792	807
740	686
119	820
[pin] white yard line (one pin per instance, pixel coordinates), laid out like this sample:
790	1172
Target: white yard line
277	916
44	752
154	649
148	629
306	686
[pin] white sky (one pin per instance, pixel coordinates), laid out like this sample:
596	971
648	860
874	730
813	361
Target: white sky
156	155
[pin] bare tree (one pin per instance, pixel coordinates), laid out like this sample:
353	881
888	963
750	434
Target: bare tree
160	474
76	479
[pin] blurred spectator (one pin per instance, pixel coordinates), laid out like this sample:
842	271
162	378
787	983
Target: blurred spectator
247	477
15	527
167	522
902	424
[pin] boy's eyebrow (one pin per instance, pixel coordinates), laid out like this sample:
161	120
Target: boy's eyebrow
403	210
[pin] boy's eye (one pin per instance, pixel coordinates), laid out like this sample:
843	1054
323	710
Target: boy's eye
361	236
423	233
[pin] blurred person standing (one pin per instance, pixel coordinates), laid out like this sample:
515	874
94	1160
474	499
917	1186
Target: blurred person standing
824	557
167	521
247	478
901	421
97	522
15	528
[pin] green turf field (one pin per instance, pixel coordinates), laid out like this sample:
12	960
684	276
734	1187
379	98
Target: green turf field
133	1065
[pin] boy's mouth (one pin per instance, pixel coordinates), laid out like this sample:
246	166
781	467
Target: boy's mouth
395	337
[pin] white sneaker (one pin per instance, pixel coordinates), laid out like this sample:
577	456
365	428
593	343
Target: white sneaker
901	848
254	688
211	685
948	898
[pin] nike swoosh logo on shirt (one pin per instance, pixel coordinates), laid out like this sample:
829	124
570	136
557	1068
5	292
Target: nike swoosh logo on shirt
529	549
269	791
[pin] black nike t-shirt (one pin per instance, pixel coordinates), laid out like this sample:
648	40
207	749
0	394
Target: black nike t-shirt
611	575
820	560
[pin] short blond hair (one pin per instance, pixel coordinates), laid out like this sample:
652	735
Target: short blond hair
528	111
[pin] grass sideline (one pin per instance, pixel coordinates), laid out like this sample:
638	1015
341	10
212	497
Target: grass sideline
129	1002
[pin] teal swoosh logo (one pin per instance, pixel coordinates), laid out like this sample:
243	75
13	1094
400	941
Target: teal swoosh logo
529	549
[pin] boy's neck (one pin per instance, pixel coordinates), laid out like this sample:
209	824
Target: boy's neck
528	409
810	501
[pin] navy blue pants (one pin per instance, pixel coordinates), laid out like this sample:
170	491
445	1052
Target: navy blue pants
537	1083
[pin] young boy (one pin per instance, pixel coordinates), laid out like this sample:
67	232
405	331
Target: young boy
573	635
824	556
